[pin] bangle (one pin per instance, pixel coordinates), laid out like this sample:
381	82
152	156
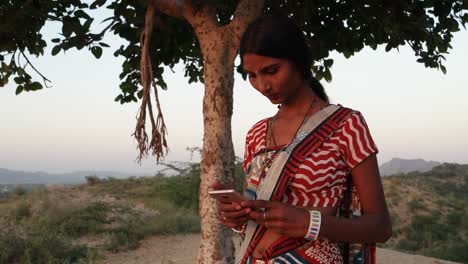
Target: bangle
314	225
239	231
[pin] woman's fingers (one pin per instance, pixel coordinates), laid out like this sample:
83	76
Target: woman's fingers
261	204
229	207
236	214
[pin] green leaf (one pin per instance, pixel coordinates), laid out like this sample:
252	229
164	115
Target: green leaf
18	80
118	98
102	44
97	51
444	70
55	40
82	14
5	67
19	89
56	50
97	4
328	63
140	94
67	28
327	75
388	47
36	86
20	71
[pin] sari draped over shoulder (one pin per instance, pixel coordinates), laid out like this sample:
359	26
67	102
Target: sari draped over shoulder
313	170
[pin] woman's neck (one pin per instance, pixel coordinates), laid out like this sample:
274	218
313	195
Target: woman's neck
300	104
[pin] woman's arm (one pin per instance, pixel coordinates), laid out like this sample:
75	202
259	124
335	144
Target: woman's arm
373	226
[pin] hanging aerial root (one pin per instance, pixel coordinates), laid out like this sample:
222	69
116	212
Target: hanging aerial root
158	143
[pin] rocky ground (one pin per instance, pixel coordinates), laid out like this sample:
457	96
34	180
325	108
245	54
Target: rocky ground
182	249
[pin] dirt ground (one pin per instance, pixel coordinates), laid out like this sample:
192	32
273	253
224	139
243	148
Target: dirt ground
183	249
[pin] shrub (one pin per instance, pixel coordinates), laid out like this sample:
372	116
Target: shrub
92	179
20	191
415	204
76	222
21	211
44	247
408	245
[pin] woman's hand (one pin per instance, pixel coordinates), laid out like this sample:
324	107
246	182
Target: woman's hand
231	215
280	217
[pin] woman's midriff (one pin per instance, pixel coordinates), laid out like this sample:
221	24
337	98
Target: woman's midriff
270	236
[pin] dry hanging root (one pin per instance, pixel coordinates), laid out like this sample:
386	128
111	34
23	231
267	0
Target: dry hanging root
158	144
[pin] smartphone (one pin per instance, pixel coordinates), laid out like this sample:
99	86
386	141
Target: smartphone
227	196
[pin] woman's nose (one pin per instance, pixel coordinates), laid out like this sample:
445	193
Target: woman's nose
264	85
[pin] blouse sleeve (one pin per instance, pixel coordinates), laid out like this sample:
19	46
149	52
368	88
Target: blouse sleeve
355	140
254	141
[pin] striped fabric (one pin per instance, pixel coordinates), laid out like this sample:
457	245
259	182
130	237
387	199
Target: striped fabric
320	180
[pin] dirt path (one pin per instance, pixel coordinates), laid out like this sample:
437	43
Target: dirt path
183	249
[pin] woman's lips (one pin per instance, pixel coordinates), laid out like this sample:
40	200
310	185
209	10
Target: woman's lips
273	97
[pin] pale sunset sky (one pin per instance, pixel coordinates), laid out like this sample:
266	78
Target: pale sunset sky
412	111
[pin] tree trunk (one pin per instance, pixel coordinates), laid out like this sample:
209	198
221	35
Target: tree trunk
218	151
219	46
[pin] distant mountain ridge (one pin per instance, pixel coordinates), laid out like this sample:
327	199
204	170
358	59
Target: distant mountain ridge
23	177
397	165
394	166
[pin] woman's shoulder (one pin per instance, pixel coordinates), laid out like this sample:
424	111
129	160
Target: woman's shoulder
353	116
258	127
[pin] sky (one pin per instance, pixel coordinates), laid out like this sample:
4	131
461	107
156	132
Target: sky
412	111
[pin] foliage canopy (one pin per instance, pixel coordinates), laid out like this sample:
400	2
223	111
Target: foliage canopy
346	26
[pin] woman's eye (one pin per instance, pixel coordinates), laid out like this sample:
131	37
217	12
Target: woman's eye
272	71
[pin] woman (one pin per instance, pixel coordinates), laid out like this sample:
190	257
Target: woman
298	162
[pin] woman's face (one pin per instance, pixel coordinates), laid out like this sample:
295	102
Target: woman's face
276	79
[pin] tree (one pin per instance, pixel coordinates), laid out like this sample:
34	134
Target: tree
204	35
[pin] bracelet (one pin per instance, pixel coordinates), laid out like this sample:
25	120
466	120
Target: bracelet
314	225
239	231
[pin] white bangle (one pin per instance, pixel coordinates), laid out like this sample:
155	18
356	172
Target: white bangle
239	231
314	225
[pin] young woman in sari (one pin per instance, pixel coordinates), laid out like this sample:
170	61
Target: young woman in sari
296	219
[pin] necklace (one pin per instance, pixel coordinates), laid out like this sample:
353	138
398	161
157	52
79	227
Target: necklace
268	160
271	138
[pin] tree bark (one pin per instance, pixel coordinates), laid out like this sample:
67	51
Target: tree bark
219	47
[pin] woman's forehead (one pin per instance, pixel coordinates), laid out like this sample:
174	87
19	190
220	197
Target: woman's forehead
252	61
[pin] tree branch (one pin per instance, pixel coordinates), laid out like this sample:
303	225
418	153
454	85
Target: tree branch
246	12
44	79
201	16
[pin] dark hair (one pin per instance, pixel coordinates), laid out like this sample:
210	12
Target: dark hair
277	36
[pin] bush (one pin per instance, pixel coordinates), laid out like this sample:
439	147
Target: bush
408	245
20	191
21	211
92	180
77	222
45	247
415	205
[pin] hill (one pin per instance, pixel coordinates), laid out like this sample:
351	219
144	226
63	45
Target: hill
429	212
397	165
24	177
